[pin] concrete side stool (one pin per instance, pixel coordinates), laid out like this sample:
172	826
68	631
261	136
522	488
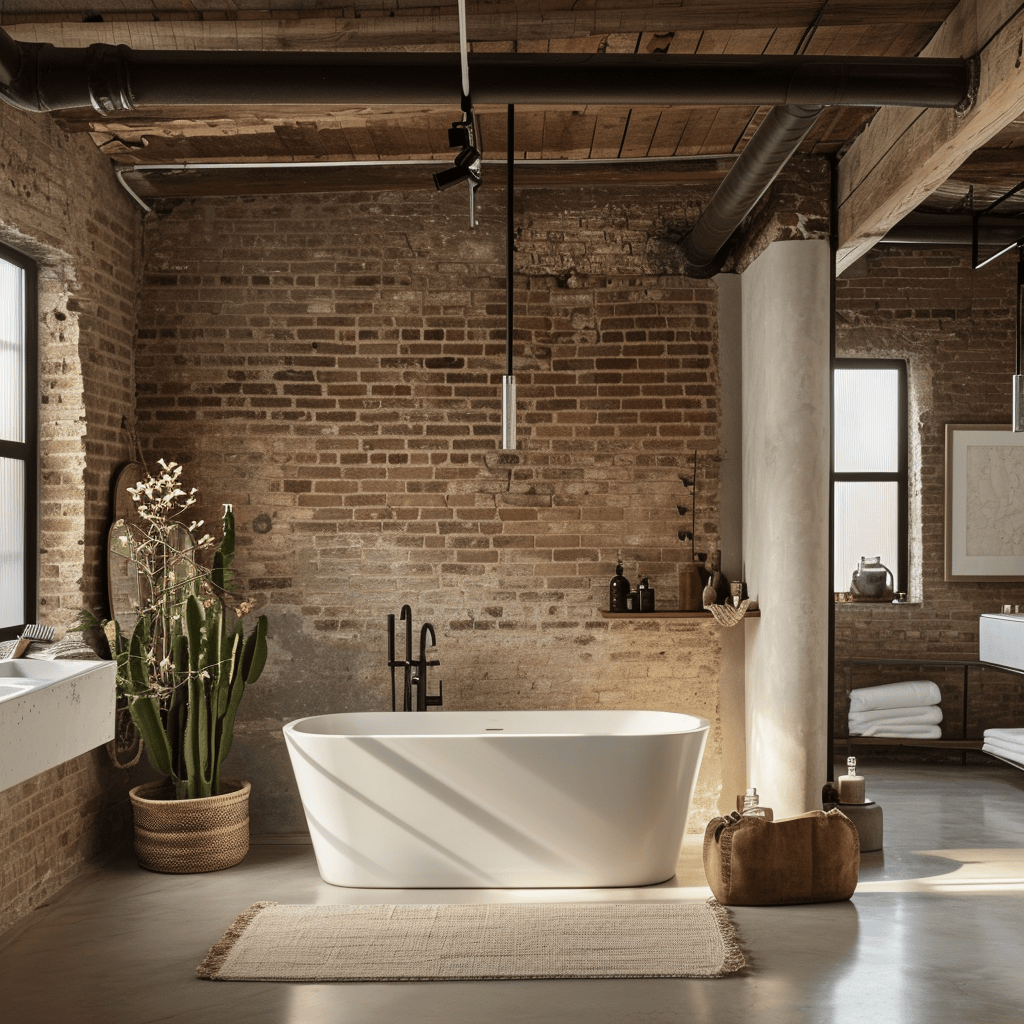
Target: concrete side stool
868	819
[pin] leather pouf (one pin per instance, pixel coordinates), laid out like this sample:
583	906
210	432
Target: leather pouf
812	858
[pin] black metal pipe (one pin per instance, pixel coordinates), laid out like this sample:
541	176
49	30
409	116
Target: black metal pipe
954	230
114	79
770	147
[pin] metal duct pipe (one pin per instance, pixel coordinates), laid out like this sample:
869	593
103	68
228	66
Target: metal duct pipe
764	156
10	59
761	161
115	79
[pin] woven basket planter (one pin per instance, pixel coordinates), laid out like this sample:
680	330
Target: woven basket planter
189	836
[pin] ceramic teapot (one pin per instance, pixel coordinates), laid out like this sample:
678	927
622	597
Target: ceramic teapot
871	579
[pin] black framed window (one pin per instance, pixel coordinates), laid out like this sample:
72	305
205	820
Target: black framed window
19	443
869	459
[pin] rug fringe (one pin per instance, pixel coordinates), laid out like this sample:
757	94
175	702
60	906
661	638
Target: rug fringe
218	954
735	956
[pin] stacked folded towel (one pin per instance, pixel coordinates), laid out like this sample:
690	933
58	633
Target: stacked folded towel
909	708
1005	743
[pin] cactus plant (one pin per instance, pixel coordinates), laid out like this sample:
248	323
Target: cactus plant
185	663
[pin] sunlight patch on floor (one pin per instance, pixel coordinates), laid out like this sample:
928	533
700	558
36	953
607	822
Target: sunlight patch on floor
977	871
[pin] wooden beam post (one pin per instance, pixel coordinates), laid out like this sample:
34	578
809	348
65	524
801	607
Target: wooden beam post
905	154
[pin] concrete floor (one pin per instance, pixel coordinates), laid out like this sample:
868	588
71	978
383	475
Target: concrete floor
934	934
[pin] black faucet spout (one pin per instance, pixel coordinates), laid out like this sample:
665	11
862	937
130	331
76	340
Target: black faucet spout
423	701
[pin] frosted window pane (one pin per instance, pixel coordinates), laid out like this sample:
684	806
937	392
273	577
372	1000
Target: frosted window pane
867	421
12	352
12	542
866	524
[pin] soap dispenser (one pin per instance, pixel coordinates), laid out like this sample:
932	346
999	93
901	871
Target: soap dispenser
752	807
618	591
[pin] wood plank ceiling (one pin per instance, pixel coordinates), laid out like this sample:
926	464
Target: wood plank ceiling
586	144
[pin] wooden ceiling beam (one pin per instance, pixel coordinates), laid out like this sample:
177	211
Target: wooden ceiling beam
437	24
905	154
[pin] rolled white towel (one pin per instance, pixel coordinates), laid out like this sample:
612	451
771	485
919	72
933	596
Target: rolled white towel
1005	735
911	693
1010	746
923	732
1011	753
1010	750
930	715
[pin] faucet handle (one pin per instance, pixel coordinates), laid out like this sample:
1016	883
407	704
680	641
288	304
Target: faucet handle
436	702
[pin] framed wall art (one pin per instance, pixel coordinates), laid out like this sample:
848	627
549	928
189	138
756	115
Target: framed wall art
984	503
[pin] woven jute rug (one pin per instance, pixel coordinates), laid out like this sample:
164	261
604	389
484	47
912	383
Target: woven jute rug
466	941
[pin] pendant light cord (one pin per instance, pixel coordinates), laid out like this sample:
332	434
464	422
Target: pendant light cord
1020	306
508	382
509	235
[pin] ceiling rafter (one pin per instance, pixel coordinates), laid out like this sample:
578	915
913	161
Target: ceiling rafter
301	28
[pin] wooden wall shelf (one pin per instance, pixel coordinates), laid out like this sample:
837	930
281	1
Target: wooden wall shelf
755	613
909	741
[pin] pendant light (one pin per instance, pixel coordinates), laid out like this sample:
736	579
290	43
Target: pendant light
508	382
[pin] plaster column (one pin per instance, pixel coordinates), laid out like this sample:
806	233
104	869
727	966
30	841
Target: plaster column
786	437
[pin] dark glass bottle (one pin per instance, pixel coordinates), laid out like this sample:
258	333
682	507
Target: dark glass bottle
618	591
646	594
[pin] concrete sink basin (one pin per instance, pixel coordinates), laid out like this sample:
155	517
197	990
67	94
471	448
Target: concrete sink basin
50	712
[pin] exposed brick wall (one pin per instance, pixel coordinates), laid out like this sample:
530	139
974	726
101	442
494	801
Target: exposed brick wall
54	826
332	365
60	204
955	328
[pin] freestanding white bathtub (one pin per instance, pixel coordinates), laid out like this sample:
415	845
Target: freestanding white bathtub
509	799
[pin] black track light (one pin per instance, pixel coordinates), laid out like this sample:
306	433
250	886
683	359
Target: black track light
460	135
467	165
450	176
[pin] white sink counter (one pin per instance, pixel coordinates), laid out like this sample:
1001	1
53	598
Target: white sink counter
50	712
